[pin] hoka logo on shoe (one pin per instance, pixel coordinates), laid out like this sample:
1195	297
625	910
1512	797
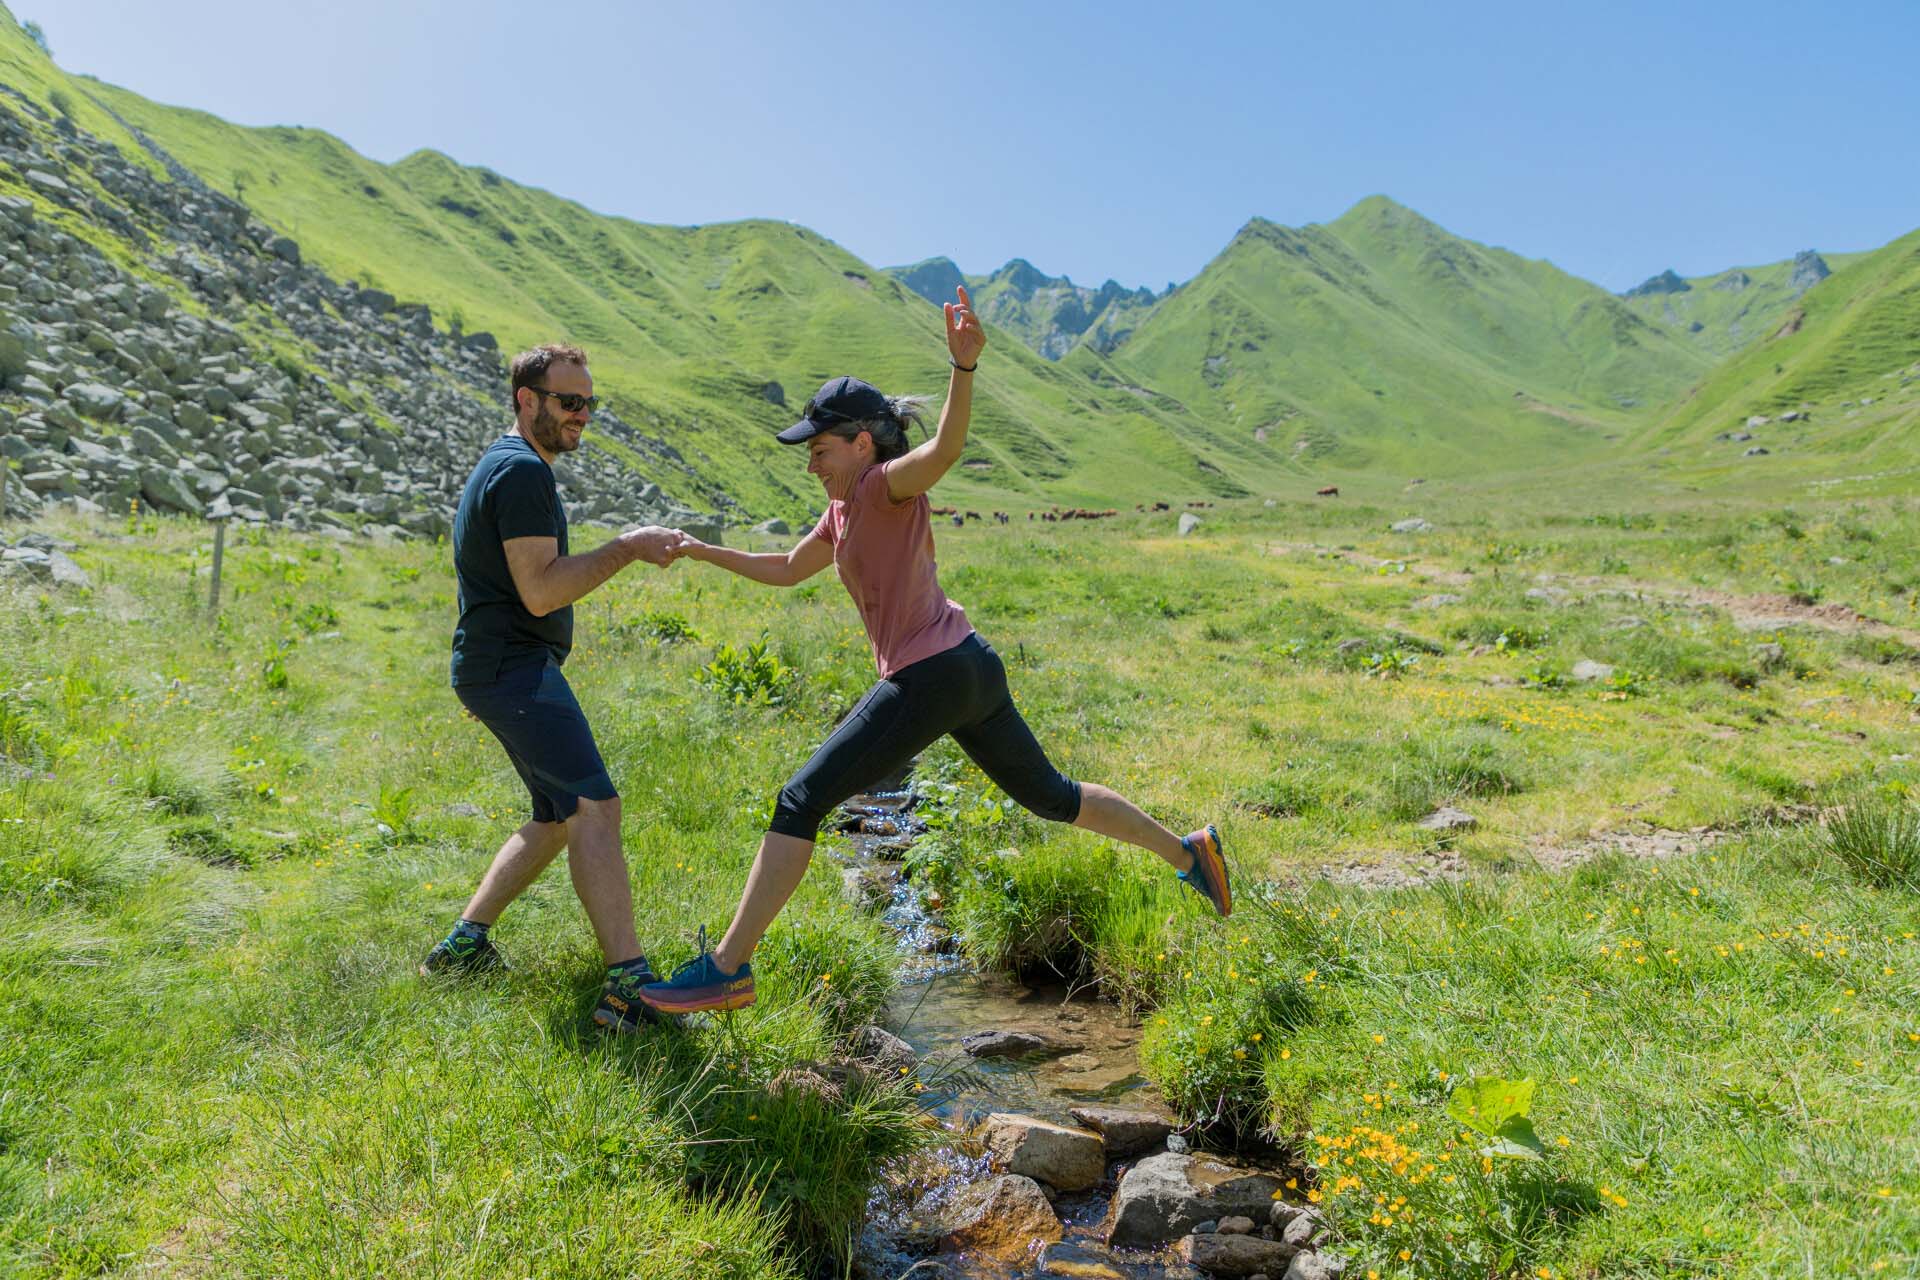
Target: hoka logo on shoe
616	1002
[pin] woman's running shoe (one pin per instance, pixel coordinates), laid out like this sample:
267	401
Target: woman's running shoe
701	984
1208	875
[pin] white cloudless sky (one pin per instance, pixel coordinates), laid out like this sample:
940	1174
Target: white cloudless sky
1119	139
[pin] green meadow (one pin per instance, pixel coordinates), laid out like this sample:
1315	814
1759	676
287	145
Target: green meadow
1686	913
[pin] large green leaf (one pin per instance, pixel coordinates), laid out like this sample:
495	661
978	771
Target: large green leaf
1498	1108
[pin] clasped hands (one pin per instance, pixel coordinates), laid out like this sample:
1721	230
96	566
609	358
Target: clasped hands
658	545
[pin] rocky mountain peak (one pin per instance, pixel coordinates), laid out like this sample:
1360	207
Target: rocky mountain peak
1809	269
1667	281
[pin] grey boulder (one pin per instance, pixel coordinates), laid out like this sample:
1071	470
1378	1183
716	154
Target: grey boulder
1165	1196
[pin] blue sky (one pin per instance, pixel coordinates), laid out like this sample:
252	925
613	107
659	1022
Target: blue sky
1095	140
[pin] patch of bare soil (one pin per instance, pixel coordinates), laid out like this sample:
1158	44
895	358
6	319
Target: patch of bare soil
1397	870
1531	405
1761	612
1648	844
1445	577
1401	869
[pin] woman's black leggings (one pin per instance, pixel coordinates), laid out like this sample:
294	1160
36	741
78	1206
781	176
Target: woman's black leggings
962	691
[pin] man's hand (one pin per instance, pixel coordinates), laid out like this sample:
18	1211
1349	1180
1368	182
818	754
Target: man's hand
687	544
651	543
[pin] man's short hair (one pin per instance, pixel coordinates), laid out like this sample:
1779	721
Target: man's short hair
530	367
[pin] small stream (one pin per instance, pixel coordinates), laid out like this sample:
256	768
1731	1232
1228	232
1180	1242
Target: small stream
942	998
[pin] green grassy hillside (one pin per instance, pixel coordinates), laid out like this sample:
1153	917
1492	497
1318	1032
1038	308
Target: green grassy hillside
1724	312
1382	340
1845	359
690	327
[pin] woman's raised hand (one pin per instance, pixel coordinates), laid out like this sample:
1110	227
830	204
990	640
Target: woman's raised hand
965	338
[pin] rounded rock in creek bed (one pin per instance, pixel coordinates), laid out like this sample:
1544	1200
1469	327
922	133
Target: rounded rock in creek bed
1237	1257
1316	1266
1006	1217
1075	1262
878	1045
1126	1132
1004	1044
1063	1158
1164	1196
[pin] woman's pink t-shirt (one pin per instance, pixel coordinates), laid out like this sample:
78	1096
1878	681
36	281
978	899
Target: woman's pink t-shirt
884	552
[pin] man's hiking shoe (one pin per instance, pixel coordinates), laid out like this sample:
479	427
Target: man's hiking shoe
620	1008
1208	875
700	984
462	953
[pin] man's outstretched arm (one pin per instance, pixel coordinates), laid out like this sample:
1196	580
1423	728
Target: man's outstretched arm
547	580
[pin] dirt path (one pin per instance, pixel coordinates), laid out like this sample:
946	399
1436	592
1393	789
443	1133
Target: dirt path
1759	612
1762	612
1446	577
1401	869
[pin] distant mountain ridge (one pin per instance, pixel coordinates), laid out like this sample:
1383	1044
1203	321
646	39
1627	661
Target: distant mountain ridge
1843	359
1050	314
1378	343
1729	310
1381	339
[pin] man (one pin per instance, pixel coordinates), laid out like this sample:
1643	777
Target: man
517	588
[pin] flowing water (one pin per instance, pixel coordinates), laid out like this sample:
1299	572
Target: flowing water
1092	1058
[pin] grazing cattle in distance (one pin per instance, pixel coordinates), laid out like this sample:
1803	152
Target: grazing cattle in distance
957	521
1331	491
943	511
1029	515
1199	504
1078	513
1001	517
1163	506
973	515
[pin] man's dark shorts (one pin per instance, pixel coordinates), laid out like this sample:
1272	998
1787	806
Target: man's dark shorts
531	709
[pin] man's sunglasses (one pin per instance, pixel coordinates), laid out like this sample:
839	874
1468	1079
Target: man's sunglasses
568	401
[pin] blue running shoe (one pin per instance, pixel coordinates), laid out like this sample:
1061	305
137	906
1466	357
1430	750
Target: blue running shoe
701	984
1208	875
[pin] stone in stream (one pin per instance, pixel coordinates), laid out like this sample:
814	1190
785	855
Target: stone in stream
1161	1198
878	1045
1063	1158
1076	1262
1237	1256
867	888
1005	1217
1004	1044
1125	1132
1303	1231
1316	1266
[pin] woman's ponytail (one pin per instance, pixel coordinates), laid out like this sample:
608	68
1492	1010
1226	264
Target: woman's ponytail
890	432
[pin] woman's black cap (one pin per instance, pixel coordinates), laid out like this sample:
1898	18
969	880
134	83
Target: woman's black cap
839	400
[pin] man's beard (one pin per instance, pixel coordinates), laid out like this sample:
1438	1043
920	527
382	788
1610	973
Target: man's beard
548	433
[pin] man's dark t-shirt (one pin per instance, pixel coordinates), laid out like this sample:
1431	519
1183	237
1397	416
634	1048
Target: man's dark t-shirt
510	494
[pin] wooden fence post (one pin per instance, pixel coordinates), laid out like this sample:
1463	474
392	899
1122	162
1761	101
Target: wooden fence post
219	549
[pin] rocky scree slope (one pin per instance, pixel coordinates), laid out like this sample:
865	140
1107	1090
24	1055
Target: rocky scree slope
159	344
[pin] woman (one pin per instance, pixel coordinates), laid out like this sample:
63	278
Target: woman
936	675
